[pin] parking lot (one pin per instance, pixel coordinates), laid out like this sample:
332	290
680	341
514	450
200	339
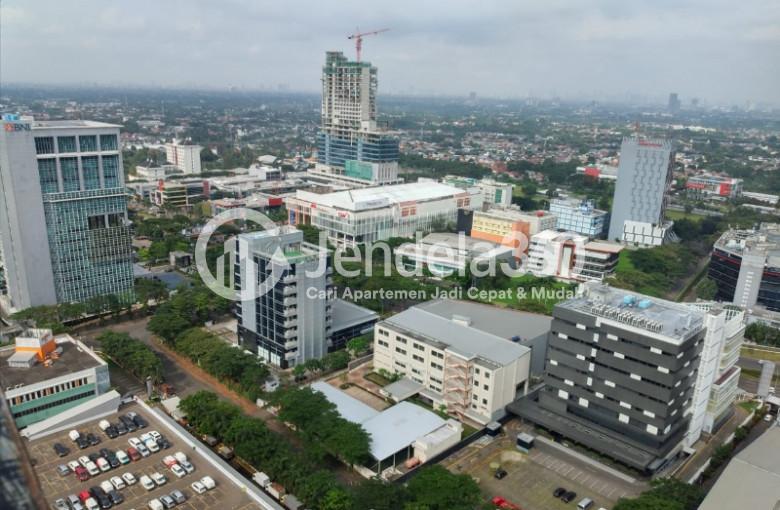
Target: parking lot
225	495
533	477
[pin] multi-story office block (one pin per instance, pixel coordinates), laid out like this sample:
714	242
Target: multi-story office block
349	144
570	256
643	183
510	226
293	316
289	320
183	193
745	265
496	194
472	358
63	221
184	157
580	216
620	376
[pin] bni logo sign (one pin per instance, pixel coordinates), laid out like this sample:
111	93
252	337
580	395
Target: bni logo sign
12	127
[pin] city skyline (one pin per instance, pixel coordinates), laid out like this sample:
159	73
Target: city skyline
599	50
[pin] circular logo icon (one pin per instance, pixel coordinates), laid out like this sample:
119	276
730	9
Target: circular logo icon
236	252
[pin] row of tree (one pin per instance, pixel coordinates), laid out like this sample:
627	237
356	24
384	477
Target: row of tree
243	372
331	362
54	317
319	424
665	494
132	355
434	488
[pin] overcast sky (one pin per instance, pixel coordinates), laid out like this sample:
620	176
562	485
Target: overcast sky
725	51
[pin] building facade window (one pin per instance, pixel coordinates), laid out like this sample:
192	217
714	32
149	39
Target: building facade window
70	174
66	144
108	142
47	173
110	170
91	172
44	145
88	143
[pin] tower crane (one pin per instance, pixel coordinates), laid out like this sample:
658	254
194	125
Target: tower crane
358	37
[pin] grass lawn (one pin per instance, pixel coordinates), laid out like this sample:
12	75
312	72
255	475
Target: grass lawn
377	378
748	405
761	353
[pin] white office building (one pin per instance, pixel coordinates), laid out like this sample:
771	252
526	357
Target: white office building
472	358
579	216
184	157
572	257
366	215
644	180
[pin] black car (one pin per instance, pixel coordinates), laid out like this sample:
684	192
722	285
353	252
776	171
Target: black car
104	501
93	439
60	449
113	461
96	491
111	432
82	442
163	443
560	491
500	473
127	422
105	452
569	497
121	429
140	422
116	497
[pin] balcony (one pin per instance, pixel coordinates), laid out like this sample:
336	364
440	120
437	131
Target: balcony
290	324
290	301
289	279
291	345
291	333
289	290
291	312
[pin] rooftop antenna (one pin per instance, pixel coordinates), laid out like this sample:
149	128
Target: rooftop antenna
358	37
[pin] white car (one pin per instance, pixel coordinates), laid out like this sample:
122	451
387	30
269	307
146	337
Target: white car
208	482
129	478
188	467
180	456
145	437
155	435
84	460
134	442
152	445
103	464
106	486
122	457
198	487
91	504
92	469
178	471
159	478
117	482
155	505
143	450
147	483
74	464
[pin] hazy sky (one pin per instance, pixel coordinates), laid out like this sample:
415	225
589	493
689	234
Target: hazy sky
718	50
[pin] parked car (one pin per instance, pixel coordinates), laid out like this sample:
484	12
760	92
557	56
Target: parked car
73	435
180	456
178	496
198	487
127	422
74	502
189	468
129	478
167	501
81	473
103	464
163	443
92	469
152	446
122	457
569	497
178	471
92	439
143	450
61	504
159	478
116	496
106	486
91	504
60	450
112	432
82	442
84	460
560	491
121	428
134	441
133	454
117	482
63	470
155	505
208	482
73	465
147	483
500	474
140	422
155	435
94	456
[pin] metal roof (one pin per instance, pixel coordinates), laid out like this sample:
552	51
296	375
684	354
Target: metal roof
751	479
350	408
457	331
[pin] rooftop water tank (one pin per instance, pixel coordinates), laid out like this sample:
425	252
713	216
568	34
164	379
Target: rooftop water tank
645	304
629	300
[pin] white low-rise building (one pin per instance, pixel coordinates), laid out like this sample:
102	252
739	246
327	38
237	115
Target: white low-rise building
571	256
472	358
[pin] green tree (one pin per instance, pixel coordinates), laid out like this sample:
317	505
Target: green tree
438	489
360	344
336	499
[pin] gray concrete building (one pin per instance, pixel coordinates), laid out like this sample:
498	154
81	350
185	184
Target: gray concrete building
644	179
64	233
620	375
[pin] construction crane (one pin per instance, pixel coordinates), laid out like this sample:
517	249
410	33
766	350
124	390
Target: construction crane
358	37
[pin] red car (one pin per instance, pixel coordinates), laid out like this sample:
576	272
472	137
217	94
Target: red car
504	504
84	496
82	474
133	454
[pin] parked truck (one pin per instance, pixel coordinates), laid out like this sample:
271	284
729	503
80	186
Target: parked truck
261	479
291	502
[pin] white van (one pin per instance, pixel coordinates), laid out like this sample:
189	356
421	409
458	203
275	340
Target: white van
585	504
74	435
156	505
103	425
180	456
